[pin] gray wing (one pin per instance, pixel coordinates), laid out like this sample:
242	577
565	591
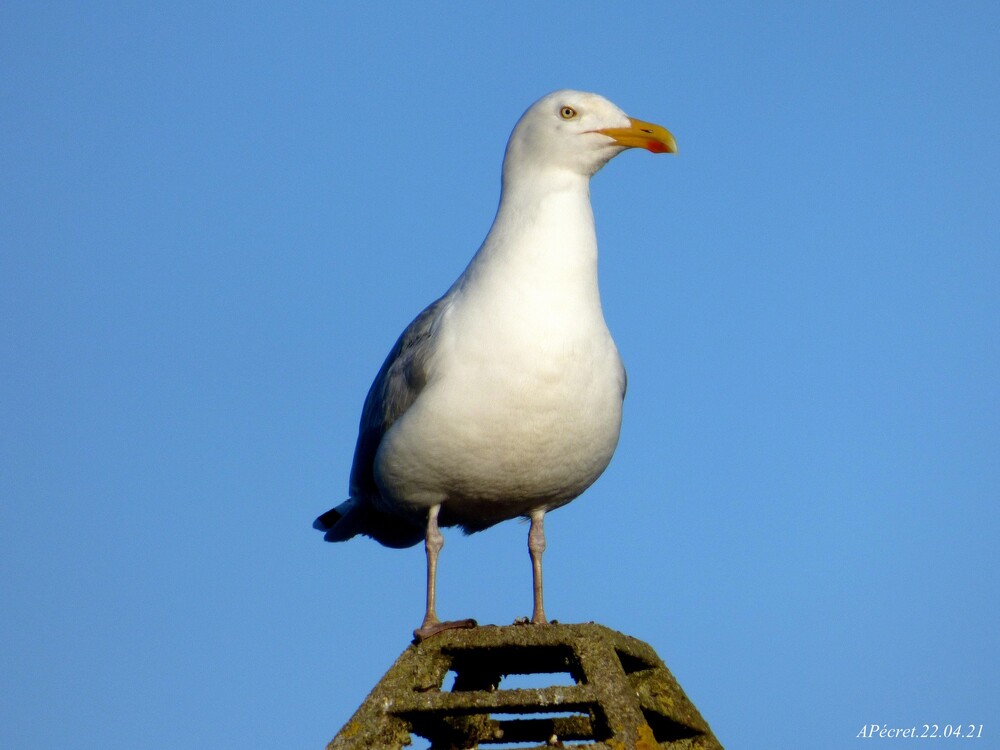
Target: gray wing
398	383
400	380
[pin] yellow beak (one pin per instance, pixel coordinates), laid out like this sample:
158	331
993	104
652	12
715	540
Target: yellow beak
639	134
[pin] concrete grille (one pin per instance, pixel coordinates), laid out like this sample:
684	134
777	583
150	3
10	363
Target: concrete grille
619	695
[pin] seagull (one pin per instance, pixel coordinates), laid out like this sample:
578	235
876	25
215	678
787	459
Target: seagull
503	398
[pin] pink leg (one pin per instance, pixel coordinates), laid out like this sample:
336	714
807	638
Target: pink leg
432	545
536	546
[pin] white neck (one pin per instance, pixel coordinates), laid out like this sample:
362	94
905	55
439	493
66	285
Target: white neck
542	239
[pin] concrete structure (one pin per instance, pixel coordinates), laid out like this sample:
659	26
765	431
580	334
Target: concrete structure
616	694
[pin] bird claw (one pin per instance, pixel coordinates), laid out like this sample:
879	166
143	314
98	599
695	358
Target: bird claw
529	621
426	631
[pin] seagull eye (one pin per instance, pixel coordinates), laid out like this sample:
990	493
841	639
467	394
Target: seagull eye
567	113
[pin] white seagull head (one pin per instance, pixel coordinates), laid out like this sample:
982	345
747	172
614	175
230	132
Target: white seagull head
579	132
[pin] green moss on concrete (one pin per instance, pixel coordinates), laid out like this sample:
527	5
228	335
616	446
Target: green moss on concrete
624	696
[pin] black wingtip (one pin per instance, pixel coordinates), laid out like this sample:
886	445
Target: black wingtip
326	521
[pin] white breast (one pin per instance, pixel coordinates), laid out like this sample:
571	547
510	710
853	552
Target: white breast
523	403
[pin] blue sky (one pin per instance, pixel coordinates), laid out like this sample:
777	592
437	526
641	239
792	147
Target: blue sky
214	221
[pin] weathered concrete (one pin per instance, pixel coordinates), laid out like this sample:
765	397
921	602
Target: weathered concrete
624	697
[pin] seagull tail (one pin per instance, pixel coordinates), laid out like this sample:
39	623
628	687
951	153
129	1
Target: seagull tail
330	522
356	516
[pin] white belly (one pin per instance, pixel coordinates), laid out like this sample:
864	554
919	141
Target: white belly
514	423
